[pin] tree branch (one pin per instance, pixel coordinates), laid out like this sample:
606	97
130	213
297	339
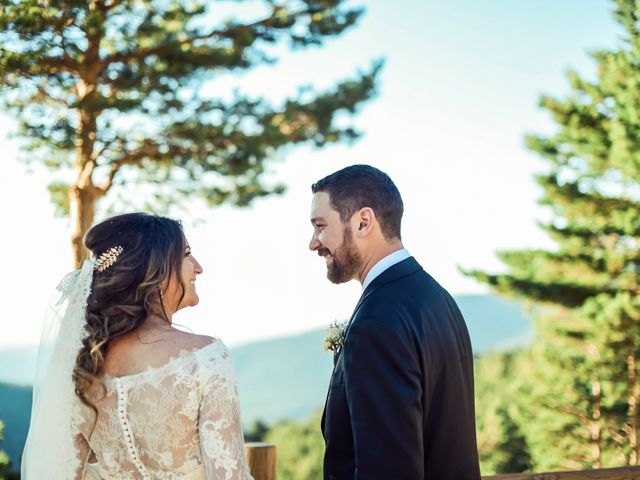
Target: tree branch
140	54
148	148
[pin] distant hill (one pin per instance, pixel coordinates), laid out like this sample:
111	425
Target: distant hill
495	324
288	377
18	365
279	378
15	410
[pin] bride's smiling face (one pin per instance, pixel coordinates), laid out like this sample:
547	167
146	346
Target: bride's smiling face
189	270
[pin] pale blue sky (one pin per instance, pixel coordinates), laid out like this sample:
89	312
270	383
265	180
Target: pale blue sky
458	93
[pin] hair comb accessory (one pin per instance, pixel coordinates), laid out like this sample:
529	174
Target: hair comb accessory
108	258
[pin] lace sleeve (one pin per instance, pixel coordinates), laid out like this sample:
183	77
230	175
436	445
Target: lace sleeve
219	424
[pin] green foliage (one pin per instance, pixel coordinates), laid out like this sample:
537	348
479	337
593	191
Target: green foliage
514	456
15	411
502	384
122	79
257	432
4	459
300	449
109	93
582	409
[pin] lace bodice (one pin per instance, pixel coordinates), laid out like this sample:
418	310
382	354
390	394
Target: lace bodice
177	421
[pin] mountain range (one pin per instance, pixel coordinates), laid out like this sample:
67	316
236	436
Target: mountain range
282	378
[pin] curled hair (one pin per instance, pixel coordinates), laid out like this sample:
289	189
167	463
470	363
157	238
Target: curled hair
360	186
124	295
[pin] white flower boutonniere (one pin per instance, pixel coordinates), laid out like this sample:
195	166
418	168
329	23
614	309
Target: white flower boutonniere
336	334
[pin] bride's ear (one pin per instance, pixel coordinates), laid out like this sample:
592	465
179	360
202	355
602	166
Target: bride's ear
364	221
162	293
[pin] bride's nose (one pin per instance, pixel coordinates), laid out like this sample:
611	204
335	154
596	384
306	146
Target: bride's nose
197	267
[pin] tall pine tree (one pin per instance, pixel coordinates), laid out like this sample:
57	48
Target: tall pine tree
108	92
584	411
4	459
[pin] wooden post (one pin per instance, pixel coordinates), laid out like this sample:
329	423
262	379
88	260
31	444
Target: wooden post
261	458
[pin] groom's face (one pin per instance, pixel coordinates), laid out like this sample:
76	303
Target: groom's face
333	240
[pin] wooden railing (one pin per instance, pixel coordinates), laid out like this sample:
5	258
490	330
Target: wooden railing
261	458
622	473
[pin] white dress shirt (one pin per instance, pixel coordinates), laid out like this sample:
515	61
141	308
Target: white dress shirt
383	264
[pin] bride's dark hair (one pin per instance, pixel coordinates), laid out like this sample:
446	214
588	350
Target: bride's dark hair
127	292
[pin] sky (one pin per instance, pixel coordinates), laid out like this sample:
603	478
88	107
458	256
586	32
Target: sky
458	93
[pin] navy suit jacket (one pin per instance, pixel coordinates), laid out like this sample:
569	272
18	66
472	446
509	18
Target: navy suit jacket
400	404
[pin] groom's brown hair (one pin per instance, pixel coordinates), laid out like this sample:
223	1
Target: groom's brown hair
360	186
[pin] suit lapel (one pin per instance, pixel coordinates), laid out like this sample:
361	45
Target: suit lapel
336	356
393	273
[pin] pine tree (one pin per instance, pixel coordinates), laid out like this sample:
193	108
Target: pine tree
502	392
300	448
4	459
588	328
107	92
513	448
257	433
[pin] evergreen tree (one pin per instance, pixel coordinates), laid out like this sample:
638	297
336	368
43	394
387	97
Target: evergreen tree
588	332
502	390
257	432
300	449
107	92
4	459
512	449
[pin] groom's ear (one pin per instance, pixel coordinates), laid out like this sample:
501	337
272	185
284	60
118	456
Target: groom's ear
364	220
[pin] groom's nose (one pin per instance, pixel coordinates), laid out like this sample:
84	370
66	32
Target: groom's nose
314	244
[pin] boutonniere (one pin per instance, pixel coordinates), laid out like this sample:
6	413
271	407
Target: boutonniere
336	334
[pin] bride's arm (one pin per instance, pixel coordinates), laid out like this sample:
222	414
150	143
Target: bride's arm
221	438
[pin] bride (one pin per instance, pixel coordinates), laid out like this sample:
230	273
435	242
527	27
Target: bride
121	394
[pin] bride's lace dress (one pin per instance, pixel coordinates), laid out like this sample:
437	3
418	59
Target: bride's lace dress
177	421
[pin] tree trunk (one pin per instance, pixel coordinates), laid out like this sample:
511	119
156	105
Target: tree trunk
634	394
83	194
596	427
82	203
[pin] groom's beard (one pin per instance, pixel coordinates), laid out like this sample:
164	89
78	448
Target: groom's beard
345	261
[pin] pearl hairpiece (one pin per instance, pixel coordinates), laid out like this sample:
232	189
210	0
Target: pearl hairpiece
107	259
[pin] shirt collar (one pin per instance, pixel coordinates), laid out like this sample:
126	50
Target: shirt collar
383	264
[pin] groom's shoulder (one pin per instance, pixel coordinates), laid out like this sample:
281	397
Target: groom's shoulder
416	288
407	276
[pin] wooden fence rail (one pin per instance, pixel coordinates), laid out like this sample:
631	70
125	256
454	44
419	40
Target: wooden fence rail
622	473
261	458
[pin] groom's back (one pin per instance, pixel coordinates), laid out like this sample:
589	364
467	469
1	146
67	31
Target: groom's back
409	349
432	325
446	358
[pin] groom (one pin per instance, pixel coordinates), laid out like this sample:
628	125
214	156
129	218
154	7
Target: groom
400	404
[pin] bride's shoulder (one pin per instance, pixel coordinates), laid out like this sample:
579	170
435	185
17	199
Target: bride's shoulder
128	356
203	347
212	358
193	341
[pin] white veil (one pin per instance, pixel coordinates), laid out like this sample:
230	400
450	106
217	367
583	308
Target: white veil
50	451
